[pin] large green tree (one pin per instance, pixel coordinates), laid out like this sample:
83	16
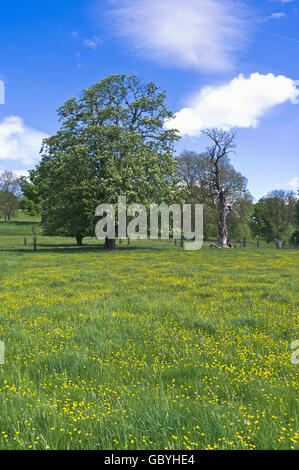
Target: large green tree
111	142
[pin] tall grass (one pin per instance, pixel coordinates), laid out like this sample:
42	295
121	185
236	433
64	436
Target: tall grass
147	347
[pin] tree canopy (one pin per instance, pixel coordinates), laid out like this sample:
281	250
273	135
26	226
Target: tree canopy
274	216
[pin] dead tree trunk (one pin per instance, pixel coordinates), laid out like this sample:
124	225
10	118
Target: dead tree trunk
223	144
222	221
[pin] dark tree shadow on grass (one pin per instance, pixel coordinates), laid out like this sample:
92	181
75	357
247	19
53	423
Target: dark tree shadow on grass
73	249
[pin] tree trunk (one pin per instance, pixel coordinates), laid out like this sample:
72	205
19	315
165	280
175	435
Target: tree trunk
110	244
79	239
222	222
278	244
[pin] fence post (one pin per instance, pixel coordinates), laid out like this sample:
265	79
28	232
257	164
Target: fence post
244	242
25	241
34	244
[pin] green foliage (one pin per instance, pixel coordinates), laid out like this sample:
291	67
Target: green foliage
274	216
295	238
9	194
297	211
238	220
287	234
9	204
31	201
261	223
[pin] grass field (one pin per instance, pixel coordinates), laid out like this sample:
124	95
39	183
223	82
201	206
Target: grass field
21	224
147	347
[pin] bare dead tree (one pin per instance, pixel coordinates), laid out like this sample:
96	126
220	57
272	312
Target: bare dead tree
10	183
278	244
223	144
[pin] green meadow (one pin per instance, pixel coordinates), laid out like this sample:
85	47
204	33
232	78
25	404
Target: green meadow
146	347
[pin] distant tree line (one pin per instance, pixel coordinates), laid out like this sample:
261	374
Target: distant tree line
112	141
274	218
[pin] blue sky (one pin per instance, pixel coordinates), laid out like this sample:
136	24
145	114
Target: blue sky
225	63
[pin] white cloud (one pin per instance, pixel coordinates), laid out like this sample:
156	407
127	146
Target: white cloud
276	16
286	38
21	172
19	142
294	183
240	103
93	42
281	1
203	34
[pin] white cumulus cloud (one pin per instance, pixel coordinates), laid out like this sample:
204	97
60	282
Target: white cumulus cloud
203	34
240	103
276	16
294	183
19	142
